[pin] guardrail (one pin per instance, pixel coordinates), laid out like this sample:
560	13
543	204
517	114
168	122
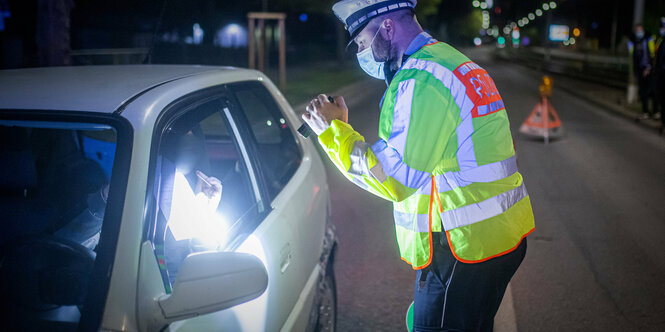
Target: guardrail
604	69
109	56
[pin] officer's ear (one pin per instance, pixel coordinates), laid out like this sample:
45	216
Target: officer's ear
387	29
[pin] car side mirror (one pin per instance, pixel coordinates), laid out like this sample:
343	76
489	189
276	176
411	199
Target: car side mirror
213	281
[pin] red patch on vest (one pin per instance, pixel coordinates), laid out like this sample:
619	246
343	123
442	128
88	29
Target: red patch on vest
480	89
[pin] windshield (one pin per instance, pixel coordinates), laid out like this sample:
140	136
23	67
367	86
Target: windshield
54	187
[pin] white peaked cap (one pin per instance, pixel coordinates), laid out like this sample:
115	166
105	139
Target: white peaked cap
355	14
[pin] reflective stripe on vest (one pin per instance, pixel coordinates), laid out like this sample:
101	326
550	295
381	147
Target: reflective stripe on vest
465	215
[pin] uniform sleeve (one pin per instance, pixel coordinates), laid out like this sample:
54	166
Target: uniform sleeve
350	153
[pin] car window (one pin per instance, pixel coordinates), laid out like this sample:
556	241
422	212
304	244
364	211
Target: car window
203	187
54	185
277	148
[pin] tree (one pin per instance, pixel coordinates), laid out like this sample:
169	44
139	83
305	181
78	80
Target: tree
53	40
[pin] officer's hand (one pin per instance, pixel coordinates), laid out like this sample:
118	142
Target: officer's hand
321	112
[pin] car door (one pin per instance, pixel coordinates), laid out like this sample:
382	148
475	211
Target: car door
207	127
297	193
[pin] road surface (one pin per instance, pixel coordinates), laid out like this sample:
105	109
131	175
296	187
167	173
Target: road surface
596	261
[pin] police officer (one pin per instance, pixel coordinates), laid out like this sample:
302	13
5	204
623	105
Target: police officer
445	158
659	71
641	48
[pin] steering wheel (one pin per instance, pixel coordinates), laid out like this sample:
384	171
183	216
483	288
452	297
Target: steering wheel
43	272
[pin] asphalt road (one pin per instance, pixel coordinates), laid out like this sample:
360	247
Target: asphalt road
596	261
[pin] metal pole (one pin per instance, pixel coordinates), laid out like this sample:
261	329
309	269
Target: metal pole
615	19
638	15
250	37
262	41
282	55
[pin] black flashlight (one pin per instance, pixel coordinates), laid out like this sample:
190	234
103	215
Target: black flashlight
304	129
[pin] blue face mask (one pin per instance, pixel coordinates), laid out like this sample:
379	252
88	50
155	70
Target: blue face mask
367	62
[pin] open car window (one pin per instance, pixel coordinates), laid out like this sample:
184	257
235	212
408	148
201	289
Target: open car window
204	192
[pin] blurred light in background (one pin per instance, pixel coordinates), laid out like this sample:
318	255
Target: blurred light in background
539	12
501	40
531	16
546	6
197	34
552	4
232	35
303	17
4	13
476	3
576	32
559	32
526	41
477	41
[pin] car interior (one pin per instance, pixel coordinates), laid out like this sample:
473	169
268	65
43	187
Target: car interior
51	210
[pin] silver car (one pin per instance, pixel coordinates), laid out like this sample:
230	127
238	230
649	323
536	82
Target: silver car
151	198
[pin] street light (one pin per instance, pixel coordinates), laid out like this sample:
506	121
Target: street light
539	12
552	4
532	16
546	6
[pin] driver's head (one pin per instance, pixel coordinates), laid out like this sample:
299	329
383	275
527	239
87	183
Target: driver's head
189	152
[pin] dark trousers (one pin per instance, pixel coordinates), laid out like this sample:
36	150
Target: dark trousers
455	296
660	94
644	85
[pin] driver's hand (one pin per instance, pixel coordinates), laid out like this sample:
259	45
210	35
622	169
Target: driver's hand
209	186
321	112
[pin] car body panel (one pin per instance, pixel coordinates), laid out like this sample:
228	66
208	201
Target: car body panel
96	87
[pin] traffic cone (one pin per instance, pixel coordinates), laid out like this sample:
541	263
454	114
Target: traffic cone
543	121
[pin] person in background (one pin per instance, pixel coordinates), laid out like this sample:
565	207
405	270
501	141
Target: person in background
641	48
659	72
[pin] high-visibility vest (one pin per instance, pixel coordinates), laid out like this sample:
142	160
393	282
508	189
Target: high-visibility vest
445	158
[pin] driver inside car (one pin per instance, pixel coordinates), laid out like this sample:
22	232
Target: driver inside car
195	195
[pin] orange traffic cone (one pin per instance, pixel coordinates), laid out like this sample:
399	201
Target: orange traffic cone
543	121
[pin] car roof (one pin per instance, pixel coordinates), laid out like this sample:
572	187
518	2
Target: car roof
88	88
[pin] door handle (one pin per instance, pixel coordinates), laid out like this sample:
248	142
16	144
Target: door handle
285	257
